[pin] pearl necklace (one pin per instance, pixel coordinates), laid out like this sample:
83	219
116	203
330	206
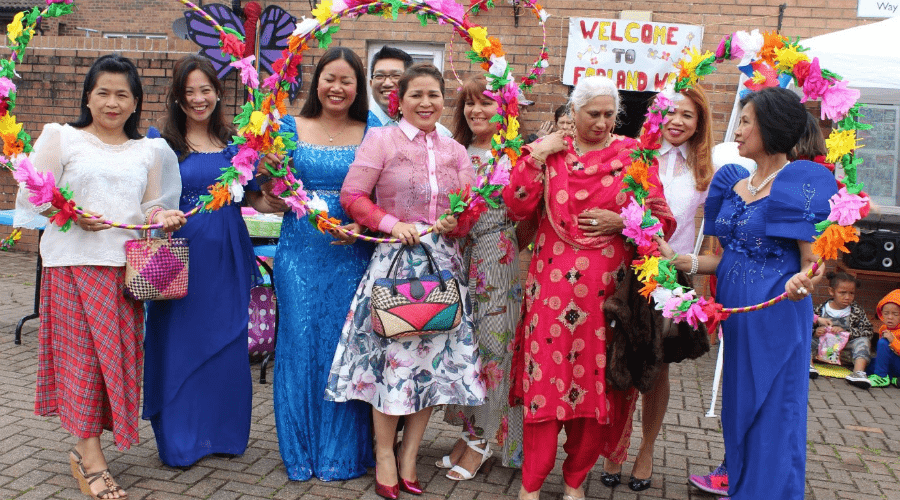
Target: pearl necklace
756	189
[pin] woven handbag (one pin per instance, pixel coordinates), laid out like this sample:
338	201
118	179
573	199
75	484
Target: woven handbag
416	305
156	268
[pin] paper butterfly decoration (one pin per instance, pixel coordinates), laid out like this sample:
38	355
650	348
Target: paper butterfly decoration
275	26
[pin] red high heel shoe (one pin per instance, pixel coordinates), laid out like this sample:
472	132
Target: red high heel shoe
411	487
389	492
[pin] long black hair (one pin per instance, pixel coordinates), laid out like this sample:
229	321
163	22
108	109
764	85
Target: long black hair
175	127
359	110
112	63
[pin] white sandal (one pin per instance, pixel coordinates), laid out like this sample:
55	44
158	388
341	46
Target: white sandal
445	462
485	453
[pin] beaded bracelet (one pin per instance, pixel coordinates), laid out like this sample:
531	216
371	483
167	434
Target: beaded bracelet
695	264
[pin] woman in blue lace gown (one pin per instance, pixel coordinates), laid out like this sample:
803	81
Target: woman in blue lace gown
315	282
765	222
197	386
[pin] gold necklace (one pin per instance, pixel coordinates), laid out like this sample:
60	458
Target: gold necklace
578	150
331	137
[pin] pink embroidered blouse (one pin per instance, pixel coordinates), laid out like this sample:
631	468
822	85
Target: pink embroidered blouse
410	172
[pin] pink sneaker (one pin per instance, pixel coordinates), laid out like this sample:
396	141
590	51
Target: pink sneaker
716	482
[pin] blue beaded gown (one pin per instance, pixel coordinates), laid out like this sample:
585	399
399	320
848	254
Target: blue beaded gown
765	378
315	282
197	383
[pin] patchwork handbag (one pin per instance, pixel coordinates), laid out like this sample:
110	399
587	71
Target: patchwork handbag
416	305
156	268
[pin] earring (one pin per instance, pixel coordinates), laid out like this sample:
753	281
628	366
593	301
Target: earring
218	99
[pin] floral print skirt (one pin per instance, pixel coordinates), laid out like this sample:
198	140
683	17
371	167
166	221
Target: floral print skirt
404	376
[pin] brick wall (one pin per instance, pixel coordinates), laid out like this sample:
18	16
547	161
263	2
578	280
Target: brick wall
51	79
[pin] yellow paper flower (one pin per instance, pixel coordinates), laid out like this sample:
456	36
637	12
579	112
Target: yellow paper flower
688	64
278	145
512	128
787	57
323	11
839	144
647	270
8	125
14	29
479	39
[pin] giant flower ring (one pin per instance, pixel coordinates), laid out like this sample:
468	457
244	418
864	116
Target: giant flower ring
258	123
769	59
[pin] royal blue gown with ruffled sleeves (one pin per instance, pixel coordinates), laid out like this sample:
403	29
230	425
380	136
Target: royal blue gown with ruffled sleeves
197	384
765	380
315	282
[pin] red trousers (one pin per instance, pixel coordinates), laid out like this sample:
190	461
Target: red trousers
540	444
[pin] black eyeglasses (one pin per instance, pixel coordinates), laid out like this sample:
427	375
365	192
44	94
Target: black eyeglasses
380	77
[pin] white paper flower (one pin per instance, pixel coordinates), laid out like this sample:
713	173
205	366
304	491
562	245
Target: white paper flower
337	6
498	66
305	26
317	203
751	43
544	15
545	63
236	190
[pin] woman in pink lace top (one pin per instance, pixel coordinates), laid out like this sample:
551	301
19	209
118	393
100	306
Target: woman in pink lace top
410	170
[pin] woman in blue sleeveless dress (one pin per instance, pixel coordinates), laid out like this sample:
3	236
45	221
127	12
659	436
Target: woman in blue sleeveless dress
316	280
765	222
197	386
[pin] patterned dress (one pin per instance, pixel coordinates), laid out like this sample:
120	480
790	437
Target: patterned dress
765	381
559	359
411	173
492	254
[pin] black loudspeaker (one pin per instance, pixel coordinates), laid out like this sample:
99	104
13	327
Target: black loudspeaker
877	250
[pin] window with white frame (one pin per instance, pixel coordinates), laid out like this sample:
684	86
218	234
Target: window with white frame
135	35
881	154
420	52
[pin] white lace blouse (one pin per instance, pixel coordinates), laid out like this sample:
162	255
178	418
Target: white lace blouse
121	182
681	195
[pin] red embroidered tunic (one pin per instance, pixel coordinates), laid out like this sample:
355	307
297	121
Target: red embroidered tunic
559	358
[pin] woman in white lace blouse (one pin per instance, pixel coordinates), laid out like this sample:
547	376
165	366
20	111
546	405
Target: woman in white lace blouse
685	169
89	356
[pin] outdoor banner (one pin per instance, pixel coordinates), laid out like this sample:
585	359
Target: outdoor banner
877	8
637	55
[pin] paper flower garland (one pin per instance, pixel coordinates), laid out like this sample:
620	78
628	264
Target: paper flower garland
258	123
768	59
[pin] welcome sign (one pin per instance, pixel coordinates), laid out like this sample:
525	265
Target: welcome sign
637	55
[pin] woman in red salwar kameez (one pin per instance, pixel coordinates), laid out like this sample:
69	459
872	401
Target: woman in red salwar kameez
574	185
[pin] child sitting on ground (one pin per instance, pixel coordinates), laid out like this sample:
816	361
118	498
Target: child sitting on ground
846	315
885	368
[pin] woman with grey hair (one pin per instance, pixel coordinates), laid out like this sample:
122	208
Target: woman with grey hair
572	181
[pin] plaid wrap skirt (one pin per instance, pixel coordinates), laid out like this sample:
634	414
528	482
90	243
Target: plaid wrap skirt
90	353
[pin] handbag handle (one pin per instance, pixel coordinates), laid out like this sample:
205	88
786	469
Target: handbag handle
432	265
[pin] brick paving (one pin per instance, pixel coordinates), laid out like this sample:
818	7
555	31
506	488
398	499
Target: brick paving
853	440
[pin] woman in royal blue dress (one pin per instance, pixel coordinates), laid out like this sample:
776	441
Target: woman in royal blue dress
765	222
197	386
317	277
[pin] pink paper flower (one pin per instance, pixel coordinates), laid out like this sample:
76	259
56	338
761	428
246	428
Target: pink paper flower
448	7
6	86
245	162
814	85
696	314
837	100
847	208
633	217
500	175
272	81
39	184
249	76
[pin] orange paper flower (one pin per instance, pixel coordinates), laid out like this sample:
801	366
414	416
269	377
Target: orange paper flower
771	42
221	197
638	170
11	145
324	222
834	239
649	287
